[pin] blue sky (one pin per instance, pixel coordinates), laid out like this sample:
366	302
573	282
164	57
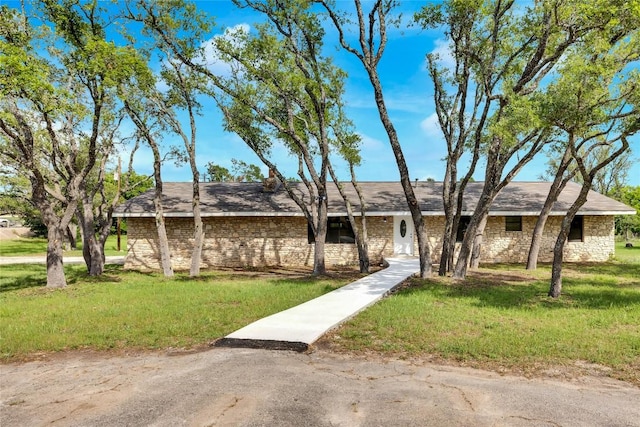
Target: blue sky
408	94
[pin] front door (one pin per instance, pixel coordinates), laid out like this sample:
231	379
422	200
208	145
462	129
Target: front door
402	235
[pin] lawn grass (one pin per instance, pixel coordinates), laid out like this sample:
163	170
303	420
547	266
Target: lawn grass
500	318
129	310
37	246
624	254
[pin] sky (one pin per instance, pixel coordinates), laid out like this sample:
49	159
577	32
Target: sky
408	94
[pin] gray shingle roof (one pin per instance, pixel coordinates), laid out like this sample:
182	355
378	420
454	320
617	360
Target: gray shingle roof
381	198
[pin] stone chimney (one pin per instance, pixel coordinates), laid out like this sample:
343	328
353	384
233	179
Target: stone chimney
270	184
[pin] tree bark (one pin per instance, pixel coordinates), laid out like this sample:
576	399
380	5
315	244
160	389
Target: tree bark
360	236
414	207
198	229
319	266
55	266
477	243
370	55
92	250
72	234
163	240
559	183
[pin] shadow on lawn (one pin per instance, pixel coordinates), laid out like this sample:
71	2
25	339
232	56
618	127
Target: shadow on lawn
509	289
14	277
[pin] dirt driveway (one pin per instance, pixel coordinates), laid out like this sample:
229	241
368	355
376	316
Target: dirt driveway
230	387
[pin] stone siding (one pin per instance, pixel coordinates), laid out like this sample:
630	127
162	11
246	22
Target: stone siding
282	241
247	242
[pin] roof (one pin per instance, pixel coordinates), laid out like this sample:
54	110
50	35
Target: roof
381	198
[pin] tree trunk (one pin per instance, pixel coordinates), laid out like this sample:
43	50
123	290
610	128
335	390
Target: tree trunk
72	235
447	247
163	240
555	287
414	207
448	199
360	235
55	266
92	251
481	211
559	183
363	237
198	232
477	243
319	267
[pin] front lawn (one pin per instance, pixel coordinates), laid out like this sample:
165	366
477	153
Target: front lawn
500	318
37	246
123	310
625	254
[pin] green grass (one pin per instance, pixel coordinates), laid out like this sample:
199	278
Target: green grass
624	254
123	310
38	246
501	318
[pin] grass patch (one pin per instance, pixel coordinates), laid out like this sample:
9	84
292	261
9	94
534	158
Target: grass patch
37	246
628	255
133	310
500	318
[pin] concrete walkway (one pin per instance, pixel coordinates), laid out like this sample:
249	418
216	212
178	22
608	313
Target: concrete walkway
300	326
6	260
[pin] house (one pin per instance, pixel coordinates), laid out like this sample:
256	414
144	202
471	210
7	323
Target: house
254	224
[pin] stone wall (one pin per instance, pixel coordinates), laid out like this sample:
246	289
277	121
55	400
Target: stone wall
247	242
274	241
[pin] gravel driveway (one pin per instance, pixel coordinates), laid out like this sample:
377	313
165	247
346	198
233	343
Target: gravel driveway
242	387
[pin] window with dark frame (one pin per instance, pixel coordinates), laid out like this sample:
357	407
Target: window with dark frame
462	227
576	232
513	223
339	230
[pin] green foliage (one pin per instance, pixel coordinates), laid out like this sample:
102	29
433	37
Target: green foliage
241	171
217	173
628	224
245	172
122	310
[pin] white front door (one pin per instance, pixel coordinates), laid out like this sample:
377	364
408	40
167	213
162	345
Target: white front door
402	235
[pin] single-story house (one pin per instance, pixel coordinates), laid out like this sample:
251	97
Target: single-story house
255	224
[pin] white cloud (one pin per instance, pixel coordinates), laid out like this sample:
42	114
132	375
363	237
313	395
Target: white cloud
431	127
442	50
211	55
369	143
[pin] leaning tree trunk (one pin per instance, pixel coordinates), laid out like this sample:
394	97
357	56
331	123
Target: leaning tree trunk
163	240
363	246
477	243
559	183
72	235
464	257
414	207
360	236
555	287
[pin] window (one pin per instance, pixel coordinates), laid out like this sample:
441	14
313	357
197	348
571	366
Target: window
462	227
513	223
576	230
338	231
